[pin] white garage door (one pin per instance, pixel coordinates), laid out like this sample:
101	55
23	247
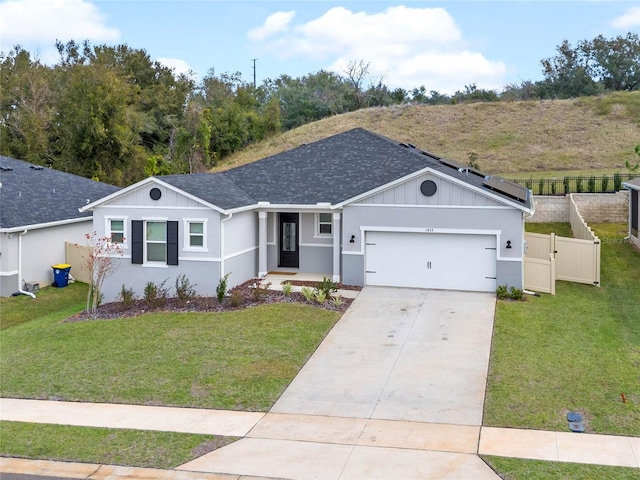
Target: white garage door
431	260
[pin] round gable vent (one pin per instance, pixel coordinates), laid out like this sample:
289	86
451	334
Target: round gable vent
155	194
428	188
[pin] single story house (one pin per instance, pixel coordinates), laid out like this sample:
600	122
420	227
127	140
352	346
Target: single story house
38	214
361	208
634	211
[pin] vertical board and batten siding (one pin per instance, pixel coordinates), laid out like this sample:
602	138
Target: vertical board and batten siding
448	193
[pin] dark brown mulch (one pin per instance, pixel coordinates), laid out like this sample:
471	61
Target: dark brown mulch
242	296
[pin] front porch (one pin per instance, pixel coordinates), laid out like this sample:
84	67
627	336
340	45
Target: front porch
306	240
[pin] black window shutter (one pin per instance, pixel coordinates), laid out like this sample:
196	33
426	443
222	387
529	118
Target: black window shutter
172	243
137	238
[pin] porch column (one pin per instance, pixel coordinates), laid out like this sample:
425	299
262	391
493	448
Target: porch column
262	244
337	236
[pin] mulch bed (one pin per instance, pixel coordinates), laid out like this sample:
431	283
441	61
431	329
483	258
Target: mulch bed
242	296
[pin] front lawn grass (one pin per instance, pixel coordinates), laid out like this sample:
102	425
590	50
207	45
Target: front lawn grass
576	351
238	360
521	469
146	449
50	301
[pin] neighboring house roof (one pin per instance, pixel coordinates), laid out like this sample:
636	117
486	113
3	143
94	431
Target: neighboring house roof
35	195
334	170
633	184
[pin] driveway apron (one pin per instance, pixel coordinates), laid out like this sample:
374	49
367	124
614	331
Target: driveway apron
395	390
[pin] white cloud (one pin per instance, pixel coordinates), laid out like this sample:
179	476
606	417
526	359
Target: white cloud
276	23
630	18
38	23
409	46
178	65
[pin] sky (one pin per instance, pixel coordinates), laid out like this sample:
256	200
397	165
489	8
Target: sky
441	45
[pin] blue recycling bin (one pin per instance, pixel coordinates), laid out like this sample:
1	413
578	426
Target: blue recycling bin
61	274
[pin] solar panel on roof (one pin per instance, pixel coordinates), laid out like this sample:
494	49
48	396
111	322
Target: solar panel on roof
507	188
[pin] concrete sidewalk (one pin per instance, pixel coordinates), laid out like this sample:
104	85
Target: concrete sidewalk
334	446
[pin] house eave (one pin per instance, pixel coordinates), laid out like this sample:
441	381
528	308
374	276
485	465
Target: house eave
37	226
145	182
442	175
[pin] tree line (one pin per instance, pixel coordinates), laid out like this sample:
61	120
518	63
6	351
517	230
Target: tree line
112	114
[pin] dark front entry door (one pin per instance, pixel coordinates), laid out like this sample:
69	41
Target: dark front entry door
289	232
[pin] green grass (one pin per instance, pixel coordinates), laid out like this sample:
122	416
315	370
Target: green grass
136	448
559	228
575	351
240	360
521	469
50	302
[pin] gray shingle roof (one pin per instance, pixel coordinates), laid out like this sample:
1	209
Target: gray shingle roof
31	194
214	188
331	170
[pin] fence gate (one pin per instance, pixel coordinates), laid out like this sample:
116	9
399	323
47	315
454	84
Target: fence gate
550	258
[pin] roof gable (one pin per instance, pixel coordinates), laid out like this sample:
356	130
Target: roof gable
34	195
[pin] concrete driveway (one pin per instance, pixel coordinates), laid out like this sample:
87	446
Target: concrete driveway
395	390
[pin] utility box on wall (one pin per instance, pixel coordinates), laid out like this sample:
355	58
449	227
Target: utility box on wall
32	287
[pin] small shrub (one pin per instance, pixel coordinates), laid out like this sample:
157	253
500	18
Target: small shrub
260	291
516	293
502	292
591	185
605	184
553	188
221	289
287	288
320	296
565	181
579	185
337	301
126	296
529	184
236	300
541	187
327	286
184	289
307	293
617	182
156	295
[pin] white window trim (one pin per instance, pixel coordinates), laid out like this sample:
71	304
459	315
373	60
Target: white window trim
317	233
186	236
145	241
125	229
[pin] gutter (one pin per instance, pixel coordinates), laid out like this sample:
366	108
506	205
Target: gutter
24	292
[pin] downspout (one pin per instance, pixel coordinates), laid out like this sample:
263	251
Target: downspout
222	244
24	292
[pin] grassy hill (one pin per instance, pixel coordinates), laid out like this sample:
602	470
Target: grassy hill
541	138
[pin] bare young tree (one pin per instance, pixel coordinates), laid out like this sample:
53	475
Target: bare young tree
357	71
100	264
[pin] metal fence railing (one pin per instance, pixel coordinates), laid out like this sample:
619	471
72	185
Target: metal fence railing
566	185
